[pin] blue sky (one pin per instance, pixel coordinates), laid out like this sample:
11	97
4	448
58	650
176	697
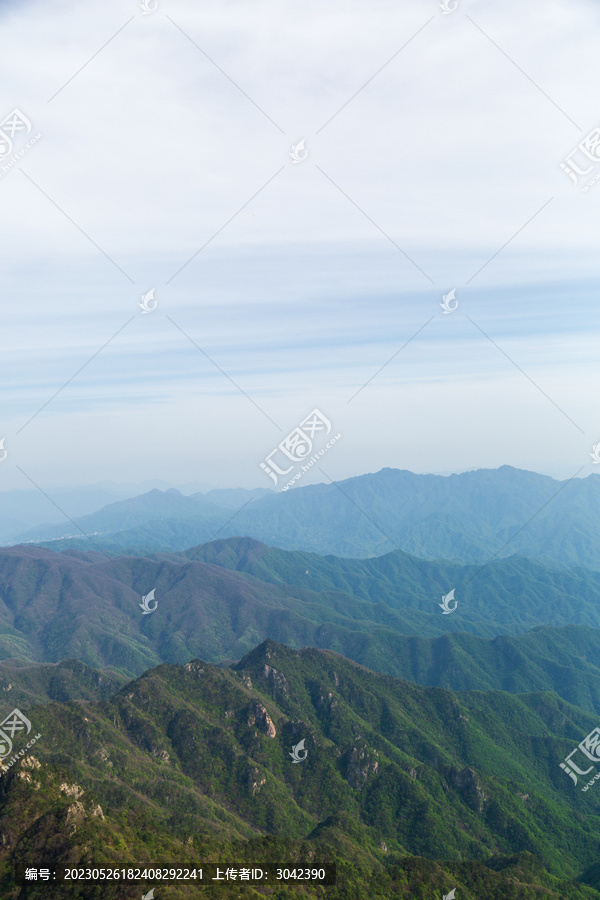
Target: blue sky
443	171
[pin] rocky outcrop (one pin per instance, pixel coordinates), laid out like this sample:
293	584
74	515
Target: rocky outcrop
260	718
468	783
102	753
358	764
75	815
325	703
194	667
278	681
157	753
71	790
254	782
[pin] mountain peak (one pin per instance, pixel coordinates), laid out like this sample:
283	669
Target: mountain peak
265	652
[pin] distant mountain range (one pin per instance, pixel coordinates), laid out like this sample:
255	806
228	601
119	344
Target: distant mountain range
468	518
410	791
24	509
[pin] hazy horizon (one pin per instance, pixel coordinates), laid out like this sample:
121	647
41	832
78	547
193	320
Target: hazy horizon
203	488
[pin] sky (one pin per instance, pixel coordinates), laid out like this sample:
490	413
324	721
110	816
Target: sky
428	156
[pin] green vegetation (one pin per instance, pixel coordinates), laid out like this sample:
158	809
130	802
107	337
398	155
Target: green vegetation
23	684
219	600
411	790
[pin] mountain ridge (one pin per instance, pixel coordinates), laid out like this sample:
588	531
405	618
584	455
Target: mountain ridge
468	518
218	600
423	787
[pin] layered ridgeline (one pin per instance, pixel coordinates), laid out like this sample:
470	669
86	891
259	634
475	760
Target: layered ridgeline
411	791
383	613
23	509
23	683
467	518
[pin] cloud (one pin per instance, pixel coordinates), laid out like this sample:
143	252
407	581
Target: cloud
434	146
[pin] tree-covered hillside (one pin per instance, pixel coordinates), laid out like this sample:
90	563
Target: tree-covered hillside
410	790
